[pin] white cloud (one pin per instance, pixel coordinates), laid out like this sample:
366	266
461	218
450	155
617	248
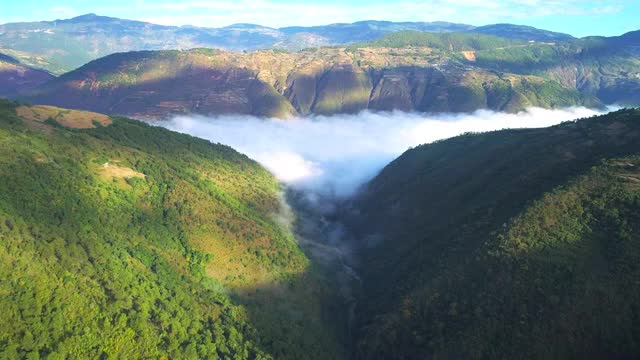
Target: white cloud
335	155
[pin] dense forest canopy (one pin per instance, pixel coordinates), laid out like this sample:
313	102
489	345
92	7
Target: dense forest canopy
508	244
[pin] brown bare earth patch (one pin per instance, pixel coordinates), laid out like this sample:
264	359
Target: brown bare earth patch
469	55
74	119
109	171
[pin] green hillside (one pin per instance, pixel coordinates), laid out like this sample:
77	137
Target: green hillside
503	245
606	68
122	240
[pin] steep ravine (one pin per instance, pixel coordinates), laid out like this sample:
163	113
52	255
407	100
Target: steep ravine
322	236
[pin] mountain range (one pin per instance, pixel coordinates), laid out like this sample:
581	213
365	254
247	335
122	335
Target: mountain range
409	71
454	68
63	45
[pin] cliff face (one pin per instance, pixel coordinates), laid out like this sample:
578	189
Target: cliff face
277	84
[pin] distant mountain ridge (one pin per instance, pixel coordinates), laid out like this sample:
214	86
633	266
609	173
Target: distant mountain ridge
69	43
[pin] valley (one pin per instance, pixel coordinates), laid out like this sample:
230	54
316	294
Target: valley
536	231
308	275
351	191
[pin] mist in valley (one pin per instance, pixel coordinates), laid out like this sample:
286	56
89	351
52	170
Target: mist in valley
333	156
325	160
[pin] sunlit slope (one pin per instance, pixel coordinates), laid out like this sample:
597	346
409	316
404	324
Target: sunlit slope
503	245
122	240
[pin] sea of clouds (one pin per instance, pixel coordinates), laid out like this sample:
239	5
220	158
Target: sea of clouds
335	155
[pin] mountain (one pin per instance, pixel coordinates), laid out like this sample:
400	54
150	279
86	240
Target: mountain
632	37
603	67
63	45
317	81
16	78
123	240
408	70
502	245
520	32
69	44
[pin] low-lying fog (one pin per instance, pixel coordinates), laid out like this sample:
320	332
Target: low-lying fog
334	155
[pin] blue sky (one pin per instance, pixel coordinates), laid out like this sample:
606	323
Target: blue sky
576	17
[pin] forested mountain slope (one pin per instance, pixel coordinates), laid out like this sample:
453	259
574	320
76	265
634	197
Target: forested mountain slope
122	240
503	245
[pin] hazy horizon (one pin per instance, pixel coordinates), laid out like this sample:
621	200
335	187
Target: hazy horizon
606	18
